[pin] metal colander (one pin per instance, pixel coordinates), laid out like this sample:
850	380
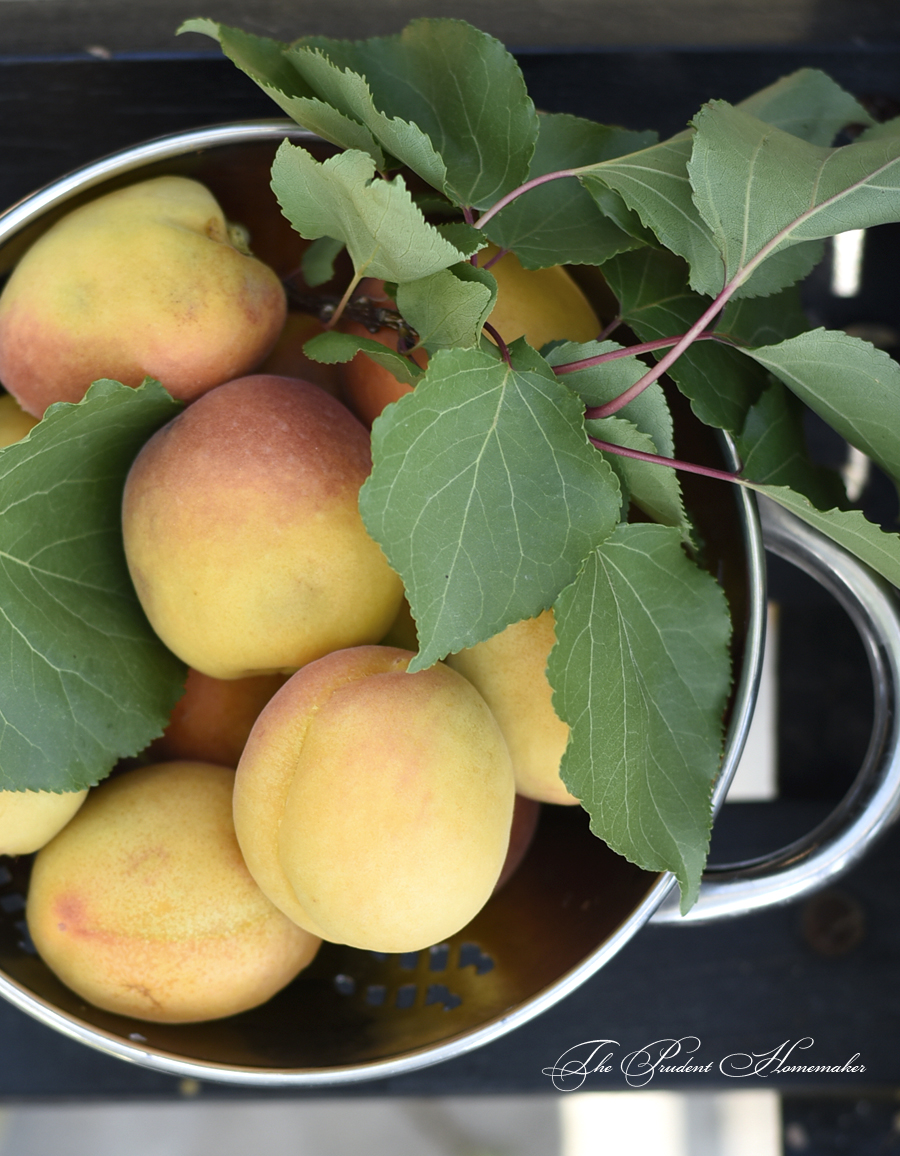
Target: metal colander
355	1015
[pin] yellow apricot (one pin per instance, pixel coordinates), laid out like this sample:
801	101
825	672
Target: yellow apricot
243	535
15	423
287	358
373	806
29	819
509	671
143	905
214	716
141	281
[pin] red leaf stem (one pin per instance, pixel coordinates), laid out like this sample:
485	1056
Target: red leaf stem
672	463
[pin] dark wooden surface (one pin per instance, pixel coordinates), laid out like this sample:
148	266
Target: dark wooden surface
826	968
45	27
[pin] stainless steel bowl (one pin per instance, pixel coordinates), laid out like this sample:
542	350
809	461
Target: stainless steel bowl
354	1015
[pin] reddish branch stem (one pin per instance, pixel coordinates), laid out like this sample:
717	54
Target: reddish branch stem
510	197
501	344
628	351
673	463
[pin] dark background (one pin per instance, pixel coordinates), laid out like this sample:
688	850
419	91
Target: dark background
55	27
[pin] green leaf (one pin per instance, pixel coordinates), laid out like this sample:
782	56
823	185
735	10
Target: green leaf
349	93
560	222
85	680
753	321
450	80
317	116
613	206
653	488
809	105
485	494
598	384
645	424
261	57
656	301
317	262
654	182
849	528
384	231
641	673
885	131
268	63
772	448
450	307
848	382
333	348
761	191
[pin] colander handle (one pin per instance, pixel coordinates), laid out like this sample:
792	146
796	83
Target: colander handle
873	802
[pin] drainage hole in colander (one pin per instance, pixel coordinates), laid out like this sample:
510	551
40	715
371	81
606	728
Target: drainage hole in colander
438	957
24	943
439	993
471	955
406	995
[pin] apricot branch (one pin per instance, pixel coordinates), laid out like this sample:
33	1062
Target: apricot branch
672	463
625	351
501	344
510	197
609	329
695	333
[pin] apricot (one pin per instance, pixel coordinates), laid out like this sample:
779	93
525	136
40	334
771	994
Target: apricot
30	819
509	671
373	806
243	535
214	716
143	906
288	359
540	305
145	280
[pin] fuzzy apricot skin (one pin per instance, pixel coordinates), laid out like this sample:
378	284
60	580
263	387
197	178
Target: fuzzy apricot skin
243	535
143	905
143	281
509	671
373	806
